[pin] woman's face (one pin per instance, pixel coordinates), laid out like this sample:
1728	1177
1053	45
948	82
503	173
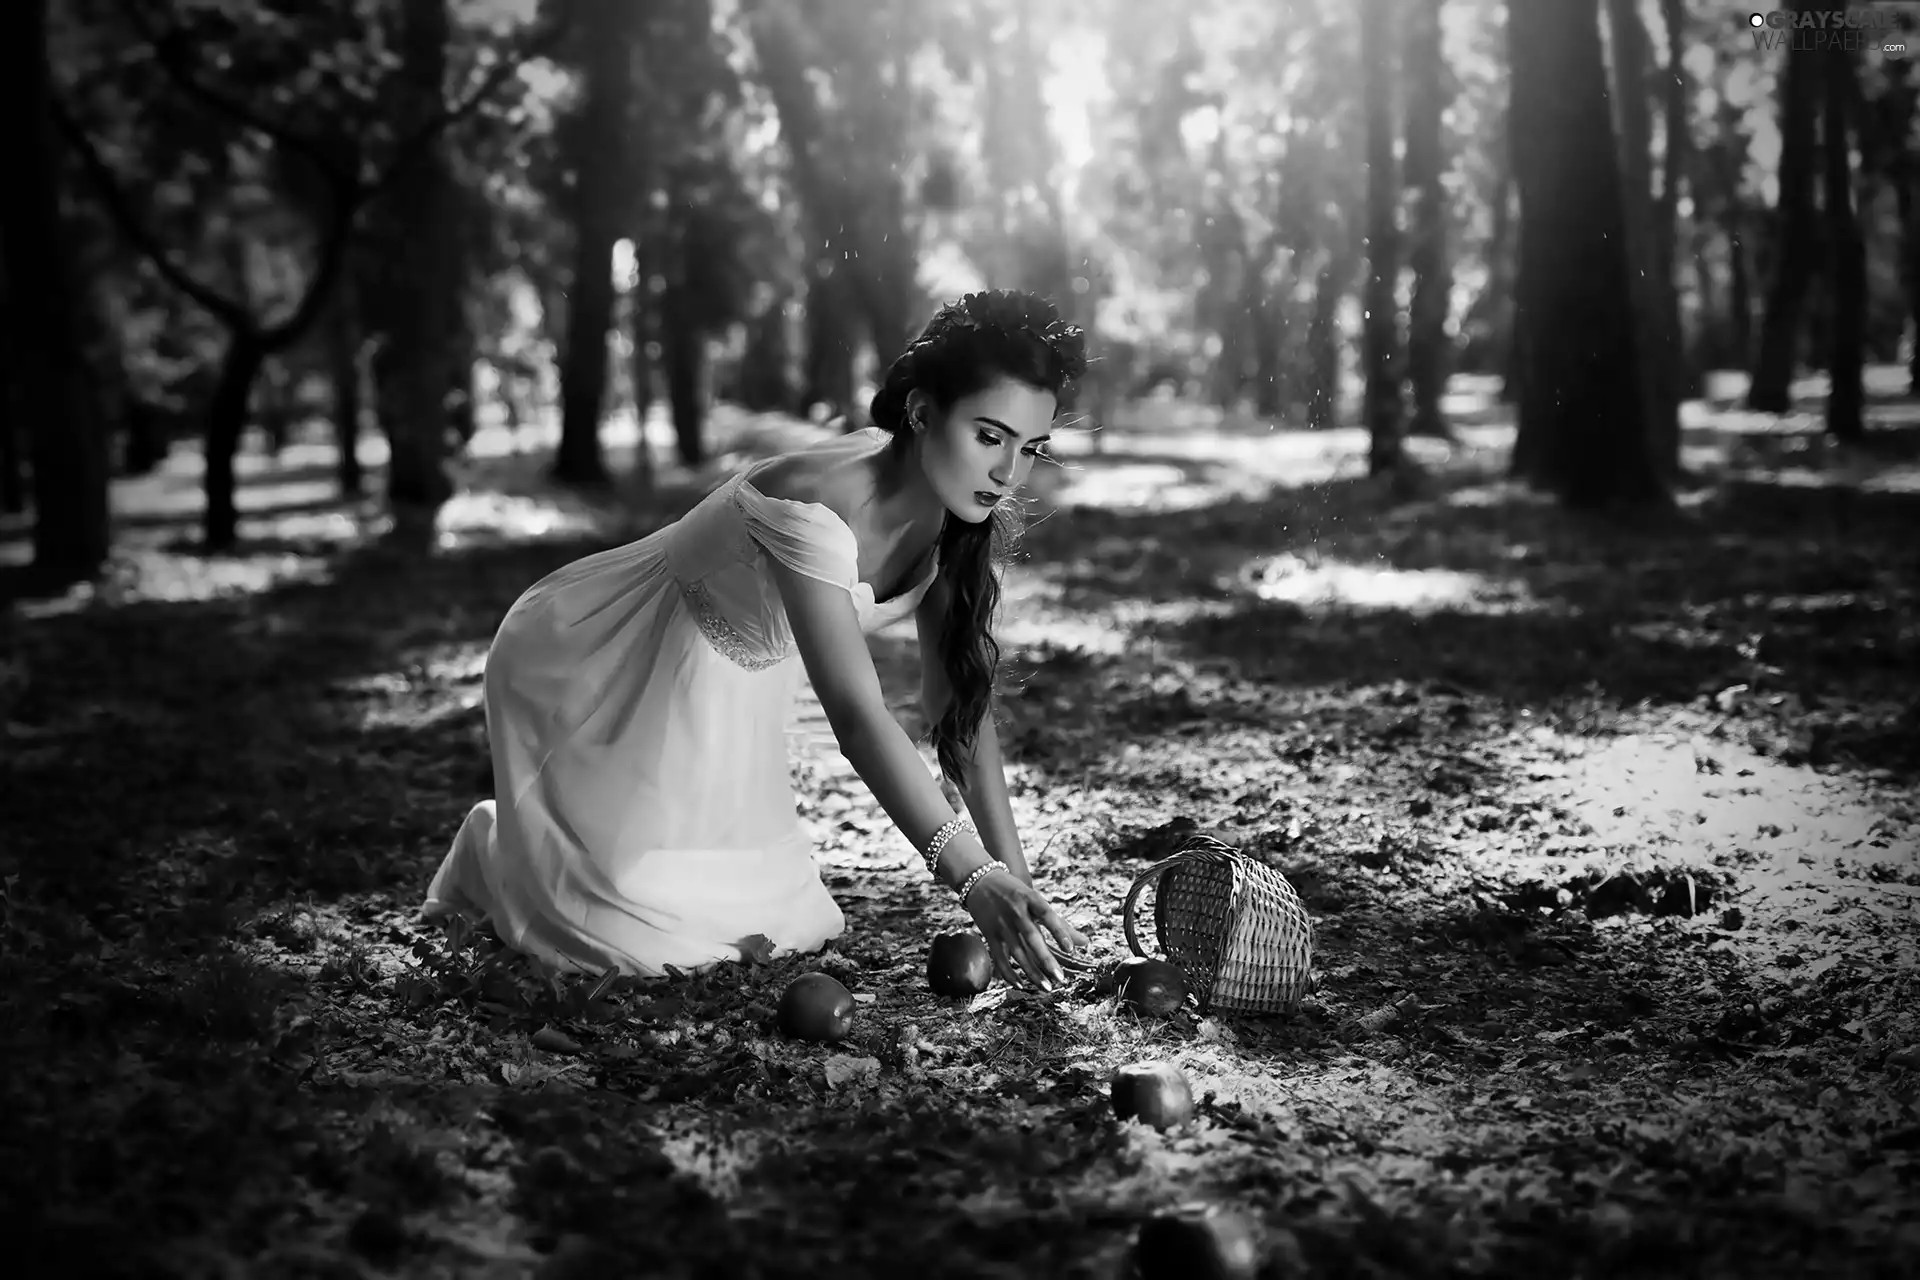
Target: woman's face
981	450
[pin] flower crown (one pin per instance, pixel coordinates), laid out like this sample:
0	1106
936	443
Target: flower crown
1002	311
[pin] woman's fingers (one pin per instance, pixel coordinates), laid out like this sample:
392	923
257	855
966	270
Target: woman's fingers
1003	964
1037	959
1070	937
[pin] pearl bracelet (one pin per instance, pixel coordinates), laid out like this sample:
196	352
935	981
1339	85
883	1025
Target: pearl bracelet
979	872
939	842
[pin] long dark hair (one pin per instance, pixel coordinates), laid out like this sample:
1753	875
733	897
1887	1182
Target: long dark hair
965	348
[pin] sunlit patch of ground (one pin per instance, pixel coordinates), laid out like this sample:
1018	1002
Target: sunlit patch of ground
1359	586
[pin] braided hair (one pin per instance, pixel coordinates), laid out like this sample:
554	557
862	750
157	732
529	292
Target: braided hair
966	347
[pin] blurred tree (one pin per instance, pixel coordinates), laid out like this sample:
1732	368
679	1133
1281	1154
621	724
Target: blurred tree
1720	200
1428	92
706	281
1628	46
48	374
708	233
1795	235
1481	204
1683	377
13	476
1381	325
837	73
1582	434
600	156
346	375
1845	248
419	358
1893	156
1502	269
322	133
1028	248
1330	286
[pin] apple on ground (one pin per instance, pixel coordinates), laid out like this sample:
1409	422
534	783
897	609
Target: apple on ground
1197	1242
1155	1093
959	964
1152	987
816	1007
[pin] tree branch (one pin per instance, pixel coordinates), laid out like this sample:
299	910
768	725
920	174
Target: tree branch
327	267
223	309
409	147
166	50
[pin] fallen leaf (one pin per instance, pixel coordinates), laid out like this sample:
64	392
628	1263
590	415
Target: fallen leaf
554	1041
757	948
843	1069
1817	967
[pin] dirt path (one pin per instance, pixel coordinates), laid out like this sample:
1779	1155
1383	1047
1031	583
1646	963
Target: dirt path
1610	838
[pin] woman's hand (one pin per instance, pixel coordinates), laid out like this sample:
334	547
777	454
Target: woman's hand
1015	920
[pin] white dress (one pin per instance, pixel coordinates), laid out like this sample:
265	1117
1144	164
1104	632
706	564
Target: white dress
637	710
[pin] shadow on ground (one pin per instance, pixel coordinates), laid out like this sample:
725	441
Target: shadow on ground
1807	597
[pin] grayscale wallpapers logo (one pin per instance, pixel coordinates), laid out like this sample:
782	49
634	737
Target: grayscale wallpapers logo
1823	30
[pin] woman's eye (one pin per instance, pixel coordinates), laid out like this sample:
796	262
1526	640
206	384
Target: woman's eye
988	438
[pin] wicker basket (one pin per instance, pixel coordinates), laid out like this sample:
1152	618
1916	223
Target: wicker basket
1234	926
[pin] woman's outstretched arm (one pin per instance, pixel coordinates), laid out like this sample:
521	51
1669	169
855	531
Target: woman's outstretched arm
983	779
1012	917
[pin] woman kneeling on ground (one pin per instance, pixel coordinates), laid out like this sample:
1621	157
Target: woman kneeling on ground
637	699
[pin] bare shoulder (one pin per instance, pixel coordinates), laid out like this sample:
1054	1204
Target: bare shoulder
818	473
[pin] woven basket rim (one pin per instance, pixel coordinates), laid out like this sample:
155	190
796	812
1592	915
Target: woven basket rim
1251	881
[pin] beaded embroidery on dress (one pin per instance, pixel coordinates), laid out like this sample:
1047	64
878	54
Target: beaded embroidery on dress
638	703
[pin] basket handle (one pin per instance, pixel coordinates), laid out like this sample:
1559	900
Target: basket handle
1140	882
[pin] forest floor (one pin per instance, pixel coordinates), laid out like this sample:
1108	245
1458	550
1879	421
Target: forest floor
1609	835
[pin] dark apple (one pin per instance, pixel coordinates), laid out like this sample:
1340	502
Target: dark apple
816	1007
959	964
1197	1242
1154	1093
1152	987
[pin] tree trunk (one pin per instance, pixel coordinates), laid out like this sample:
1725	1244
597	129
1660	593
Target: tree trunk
425	310
1380	330
1268	324
600	174
463	408
830	340
863	265
67	442
1629	46
343	370
1682	374
1739	287
226	423
273	405
1720	170
1323	342
146	438
1427	254
1900	173
1849	292
1909	270
685	355
765	383
13	491
642	330
1582	431
1795	229
1502	254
